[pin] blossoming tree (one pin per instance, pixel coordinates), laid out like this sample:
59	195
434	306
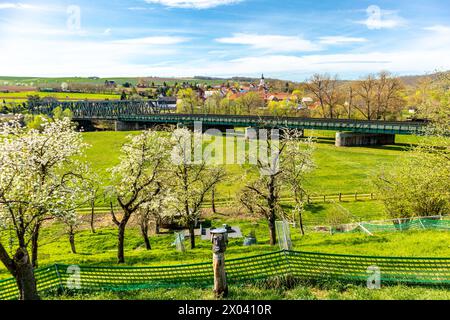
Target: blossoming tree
38	180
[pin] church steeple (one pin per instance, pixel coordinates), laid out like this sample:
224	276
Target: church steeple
262	83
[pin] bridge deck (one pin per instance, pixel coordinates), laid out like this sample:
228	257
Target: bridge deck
156	112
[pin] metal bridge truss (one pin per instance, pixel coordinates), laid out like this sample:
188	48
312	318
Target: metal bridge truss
156	112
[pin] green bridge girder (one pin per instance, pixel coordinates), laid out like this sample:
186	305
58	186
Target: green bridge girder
158	113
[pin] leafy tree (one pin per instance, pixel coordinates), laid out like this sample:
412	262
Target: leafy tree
60	114
154	211
250	103
418	184
228	106
296	162
261	196
188	101
38	179
213	104
136	181
191	180
36	122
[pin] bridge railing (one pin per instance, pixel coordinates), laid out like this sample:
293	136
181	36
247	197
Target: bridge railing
156	112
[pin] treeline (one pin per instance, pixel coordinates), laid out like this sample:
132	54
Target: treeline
376	97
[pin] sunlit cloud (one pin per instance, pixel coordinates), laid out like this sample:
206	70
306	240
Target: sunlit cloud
10	5
279	43
166	40
193	4
339	40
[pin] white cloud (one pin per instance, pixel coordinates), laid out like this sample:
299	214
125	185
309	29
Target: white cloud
16	5
338	40
382	19
276	43
194	4
161	40
440	29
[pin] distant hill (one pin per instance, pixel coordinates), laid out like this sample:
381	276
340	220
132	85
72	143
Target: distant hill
415	79
410	80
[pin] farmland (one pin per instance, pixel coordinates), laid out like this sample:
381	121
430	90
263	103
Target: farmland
61	96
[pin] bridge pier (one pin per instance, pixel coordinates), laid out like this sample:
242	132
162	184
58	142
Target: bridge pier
353	139
128	126
85	125
254	133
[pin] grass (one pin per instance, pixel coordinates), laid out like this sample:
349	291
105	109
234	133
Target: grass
252	292
346	170
100	249
31	81
22	96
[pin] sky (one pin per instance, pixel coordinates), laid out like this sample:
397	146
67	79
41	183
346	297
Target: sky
290	39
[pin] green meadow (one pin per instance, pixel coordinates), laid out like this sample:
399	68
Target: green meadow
346	170
61	96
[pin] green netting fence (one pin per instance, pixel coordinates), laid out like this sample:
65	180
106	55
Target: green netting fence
298	265
424	223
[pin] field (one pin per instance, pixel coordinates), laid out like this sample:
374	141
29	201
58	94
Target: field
32	81
61	96
339	170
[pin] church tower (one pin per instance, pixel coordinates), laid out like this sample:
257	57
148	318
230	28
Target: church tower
262	82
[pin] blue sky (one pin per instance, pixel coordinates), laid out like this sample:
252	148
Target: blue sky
179	38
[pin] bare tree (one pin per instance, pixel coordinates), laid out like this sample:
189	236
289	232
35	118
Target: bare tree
366	91
388	98
326	90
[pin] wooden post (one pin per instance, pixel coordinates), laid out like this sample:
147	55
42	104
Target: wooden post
340	197
356	196
219	239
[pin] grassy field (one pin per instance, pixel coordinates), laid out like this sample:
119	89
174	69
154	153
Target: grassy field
61	96
32	81
346	170
100	249
335	291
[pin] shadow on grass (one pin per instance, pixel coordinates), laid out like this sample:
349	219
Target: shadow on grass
396	147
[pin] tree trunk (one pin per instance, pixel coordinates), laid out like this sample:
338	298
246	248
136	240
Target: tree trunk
157	226
213	199
34	245
72	242
120	244
192	234
272	230
300	218
92	216
144	231
24	275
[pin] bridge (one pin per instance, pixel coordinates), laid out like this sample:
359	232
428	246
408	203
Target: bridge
132	115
